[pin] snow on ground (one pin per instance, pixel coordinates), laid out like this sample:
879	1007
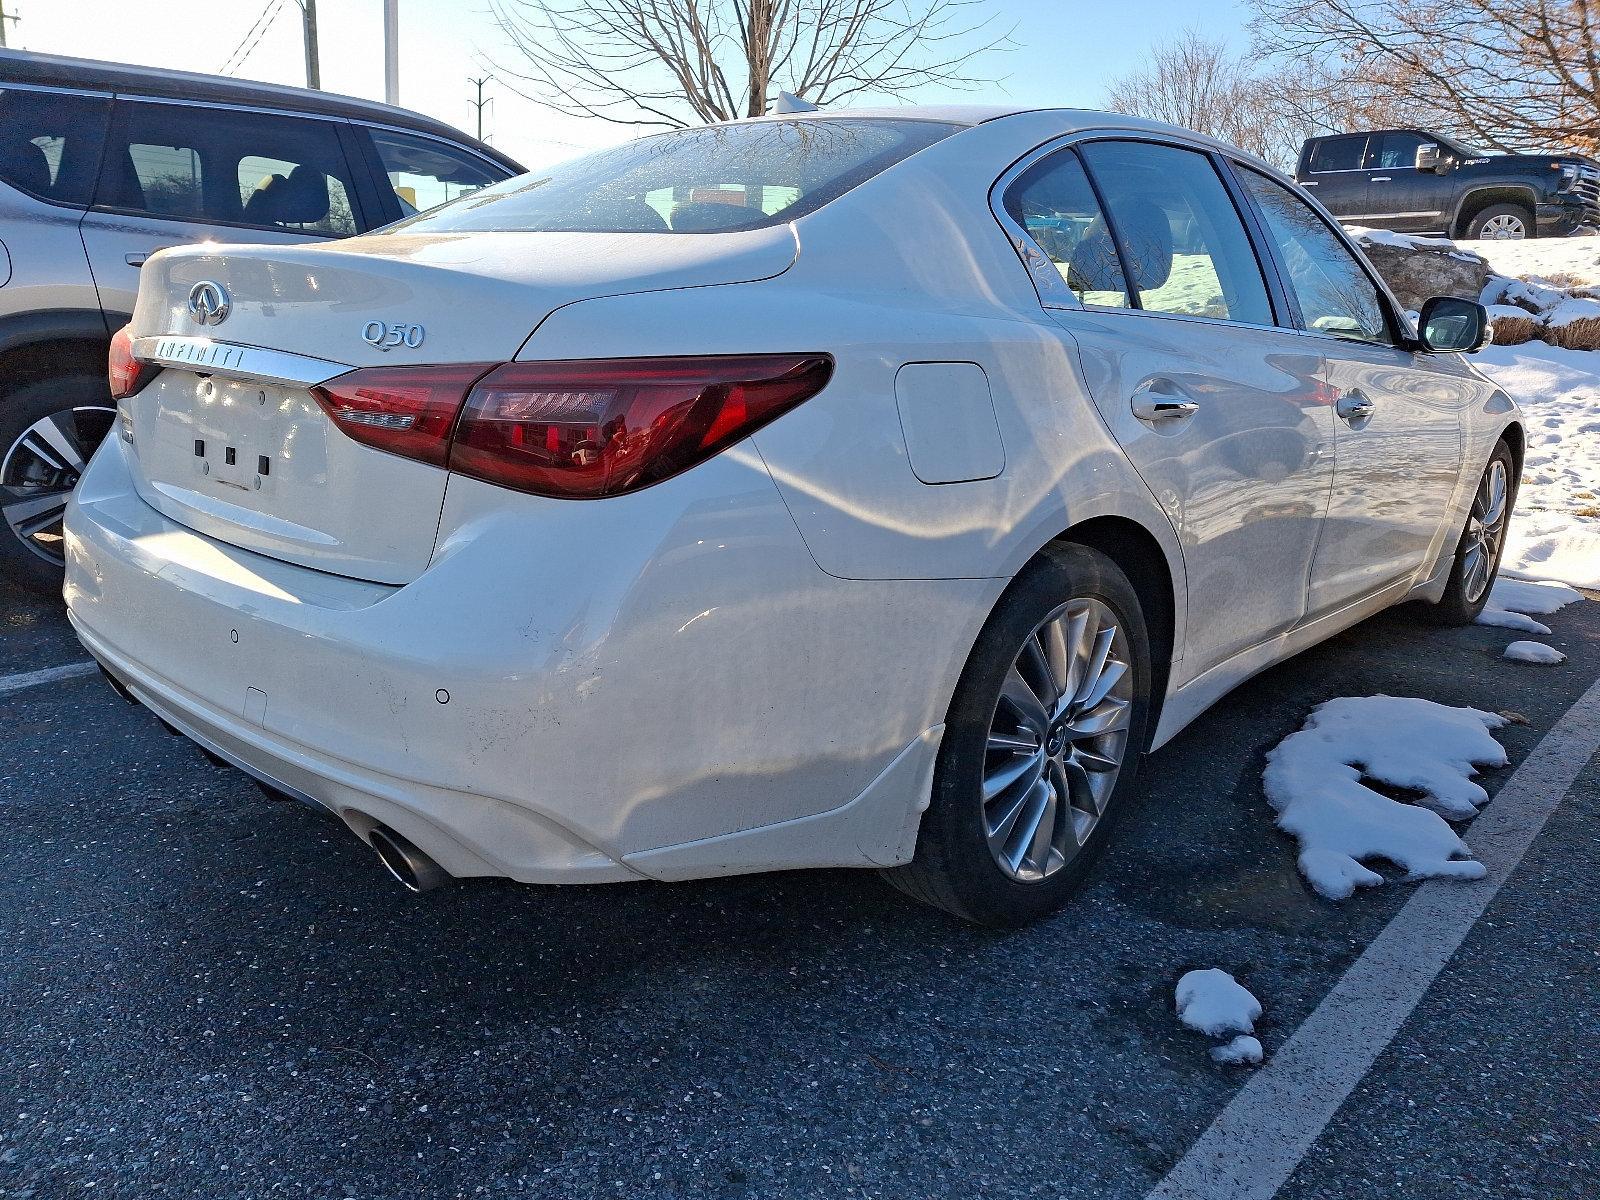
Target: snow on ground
1576	259
1534	652
1510	600
1243	1049
1216	1004
1555	531
1314	782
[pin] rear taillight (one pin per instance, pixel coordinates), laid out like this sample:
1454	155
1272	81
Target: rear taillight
407	411
126	373
602	427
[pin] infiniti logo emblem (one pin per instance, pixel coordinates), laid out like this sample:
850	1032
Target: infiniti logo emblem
209	303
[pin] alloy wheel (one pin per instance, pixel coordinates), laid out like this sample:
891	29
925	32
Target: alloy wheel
1486	529
40	469
1505	227
1057	740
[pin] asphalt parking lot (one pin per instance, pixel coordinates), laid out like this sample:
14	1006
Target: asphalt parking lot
204	992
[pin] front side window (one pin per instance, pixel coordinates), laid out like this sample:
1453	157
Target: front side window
1181	237
227	167
425	174
1393	151
713	179
50	143
1053	201
1336	296
1339	154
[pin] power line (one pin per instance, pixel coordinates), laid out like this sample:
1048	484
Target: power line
253	37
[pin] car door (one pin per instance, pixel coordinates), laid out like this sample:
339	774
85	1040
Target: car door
1337	174
1400	196
1216	408
178	173
1399	419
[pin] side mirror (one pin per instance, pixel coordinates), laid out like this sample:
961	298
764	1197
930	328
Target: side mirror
1449	325
1428	157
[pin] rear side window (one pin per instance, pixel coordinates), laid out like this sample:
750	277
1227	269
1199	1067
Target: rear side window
50	143
226	167
425	174
715	179
1338	154
1181	237
1335	294
1053	201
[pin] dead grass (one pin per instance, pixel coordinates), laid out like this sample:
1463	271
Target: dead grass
1513	331
1582	334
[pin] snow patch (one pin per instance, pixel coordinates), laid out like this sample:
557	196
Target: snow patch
1242	1050
1215	1003
1534	652
1504	618
1314	782
1541	596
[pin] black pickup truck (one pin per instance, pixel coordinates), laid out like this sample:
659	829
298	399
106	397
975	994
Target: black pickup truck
1413	181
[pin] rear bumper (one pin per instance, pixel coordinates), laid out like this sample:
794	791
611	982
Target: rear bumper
677	692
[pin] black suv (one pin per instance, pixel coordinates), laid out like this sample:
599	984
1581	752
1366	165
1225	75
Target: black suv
103	165
1413	181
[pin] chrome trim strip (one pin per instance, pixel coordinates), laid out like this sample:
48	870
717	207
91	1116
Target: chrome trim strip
1429	212
237	362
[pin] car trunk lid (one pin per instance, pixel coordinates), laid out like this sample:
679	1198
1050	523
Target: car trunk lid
229	438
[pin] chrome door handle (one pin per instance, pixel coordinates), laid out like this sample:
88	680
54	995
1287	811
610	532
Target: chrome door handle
1148	404
137	259
1353	406
1379	179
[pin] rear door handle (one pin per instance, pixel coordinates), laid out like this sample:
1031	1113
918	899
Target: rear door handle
138	258
1353	407
1379	179
1161	400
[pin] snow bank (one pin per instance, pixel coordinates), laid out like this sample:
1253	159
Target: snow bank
1314	783
1543	596
1555	531
1534	652
1504	618
1215	1003
1243	1049
1577	259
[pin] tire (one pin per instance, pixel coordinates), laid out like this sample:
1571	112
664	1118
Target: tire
1065	590
49	428
1499	222
1481	544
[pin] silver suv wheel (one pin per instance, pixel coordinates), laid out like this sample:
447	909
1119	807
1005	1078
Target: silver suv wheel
41	467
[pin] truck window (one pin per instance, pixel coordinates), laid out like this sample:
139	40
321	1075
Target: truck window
1392	151
1338	154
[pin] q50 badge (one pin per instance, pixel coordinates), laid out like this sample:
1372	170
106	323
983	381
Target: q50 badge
383	336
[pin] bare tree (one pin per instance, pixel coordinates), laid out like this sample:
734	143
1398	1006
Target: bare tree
1504	73
681	62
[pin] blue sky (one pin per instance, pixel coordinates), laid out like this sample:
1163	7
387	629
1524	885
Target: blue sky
1067	51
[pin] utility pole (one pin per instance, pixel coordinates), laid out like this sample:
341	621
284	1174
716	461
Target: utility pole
308	11
4	17
480	101
391	51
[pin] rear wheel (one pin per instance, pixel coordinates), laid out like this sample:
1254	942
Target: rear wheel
1482	542
1040	745
48	431
1501	223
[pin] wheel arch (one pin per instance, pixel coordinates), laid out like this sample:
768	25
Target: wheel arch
1475	201
36	345
1516	439
1141	557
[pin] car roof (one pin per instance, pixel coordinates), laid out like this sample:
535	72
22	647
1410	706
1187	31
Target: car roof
1069	120
50	70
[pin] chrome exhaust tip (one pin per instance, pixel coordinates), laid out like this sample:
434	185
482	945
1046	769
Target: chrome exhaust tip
414	870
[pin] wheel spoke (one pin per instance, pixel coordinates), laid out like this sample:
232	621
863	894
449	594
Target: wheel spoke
1024	701
1109	716
1044	833
998	781
1495	509
32	510
1027	825
1111	674
1046	689
1016	743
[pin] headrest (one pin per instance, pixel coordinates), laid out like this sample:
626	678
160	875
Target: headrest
705	216
1094	266
24	165
1146	233
301	198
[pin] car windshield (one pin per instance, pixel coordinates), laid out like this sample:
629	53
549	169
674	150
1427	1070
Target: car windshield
715	179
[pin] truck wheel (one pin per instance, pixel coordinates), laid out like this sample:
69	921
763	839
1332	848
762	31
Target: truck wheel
48	430
1501	223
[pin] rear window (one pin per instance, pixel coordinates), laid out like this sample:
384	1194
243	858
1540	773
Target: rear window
715	179
50	143
1339	154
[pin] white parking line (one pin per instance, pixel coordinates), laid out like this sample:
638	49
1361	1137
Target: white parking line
28	679
1258	1140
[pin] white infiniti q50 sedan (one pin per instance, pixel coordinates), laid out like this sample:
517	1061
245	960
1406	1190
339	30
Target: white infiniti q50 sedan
868	488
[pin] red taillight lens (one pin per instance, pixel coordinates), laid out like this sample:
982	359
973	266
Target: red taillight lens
126	373
602	427
404	410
